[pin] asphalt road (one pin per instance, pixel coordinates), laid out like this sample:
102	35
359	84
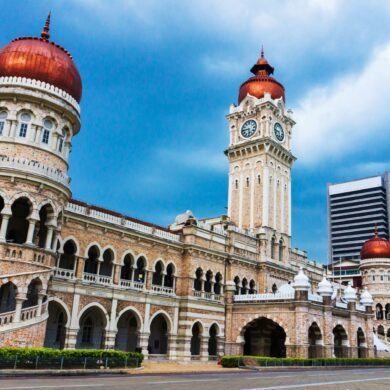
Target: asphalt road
374	378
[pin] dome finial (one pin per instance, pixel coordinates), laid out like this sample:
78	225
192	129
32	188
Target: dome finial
45	33
262	51
376	230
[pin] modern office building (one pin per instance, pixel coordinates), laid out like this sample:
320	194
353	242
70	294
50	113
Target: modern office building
354	209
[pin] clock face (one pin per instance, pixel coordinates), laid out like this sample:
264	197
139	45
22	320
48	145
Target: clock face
279	132
248	128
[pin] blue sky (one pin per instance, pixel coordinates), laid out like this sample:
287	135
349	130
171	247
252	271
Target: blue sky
159	76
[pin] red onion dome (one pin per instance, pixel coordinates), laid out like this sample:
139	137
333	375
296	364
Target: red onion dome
261	82
40	59
375	247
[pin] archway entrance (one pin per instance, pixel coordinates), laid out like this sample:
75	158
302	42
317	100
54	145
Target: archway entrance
158	339
340	342
92	329
127	336
196	339
315	340
55	328
361	344
264	337
213	341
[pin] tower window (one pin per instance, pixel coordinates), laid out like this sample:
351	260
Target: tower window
61	144
247	181
25	119
47	126
259	179
236	184
3	116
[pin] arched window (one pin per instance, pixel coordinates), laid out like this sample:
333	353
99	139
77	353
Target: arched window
140	270
169	277
127	267
387	311
236	184
25	119
47	127
68	258
252	287
198	279
208	281
281	250
107	263
258	179
217	284
273	248
274	288
3	117
247	181
158	274
244	288
379	312
18	223
238	285
91	263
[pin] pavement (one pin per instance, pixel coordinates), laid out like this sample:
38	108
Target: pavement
313	379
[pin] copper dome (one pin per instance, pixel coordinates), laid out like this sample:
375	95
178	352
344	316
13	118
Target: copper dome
40	59
375	247
261	82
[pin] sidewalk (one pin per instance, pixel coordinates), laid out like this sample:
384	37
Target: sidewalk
148	368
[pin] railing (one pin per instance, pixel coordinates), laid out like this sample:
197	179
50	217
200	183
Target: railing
6	318
315	298
63	273
32	312
342	305
41	85
22	164
263	297
122	221
98	279
38	256
131	284
163	290
197	293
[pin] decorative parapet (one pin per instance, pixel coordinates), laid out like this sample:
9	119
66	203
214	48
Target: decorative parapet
264	297
42	86
34	167
121	221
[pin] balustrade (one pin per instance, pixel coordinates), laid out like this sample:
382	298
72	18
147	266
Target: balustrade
263	297
163	290
98	279
61	273
6	318
131	284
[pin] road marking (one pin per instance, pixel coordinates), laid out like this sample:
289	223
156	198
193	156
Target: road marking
318	384
49	387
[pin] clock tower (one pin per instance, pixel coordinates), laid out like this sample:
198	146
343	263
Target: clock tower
260	159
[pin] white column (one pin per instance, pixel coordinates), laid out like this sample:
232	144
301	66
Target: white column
13	129
282	196
289	206
38	132
240	202
275	190
4	226
49	236
7	128
54	240
266	196
30	232
252	217
230	188
40	299
18	308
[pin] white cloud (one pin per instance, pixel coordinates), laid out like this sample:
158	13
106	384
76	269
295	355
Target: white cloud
202	159
346	114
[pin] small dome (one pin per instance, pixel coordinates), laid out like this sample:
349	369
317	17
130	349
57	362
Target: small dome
350	293
40	59
286	289
261	82
375	247
301	281
325	287
366	298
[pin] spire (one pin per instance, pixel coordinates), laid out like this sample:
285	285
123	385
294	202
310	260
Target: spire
45	33
376	230
262	51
